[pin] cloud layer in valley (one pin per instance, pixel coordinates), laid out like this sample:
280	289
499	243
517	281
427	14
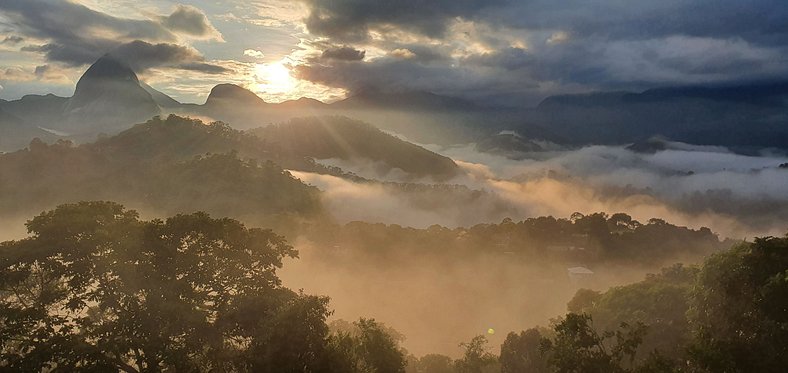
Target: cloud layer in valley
735	195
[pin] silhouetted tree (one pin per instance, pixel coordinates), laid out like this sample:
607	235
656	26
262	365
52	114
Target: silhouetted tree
522	353
476	358
94	288
579	348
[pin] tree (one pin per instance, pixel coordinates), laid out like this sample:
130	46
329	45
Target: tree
365	346
476	358
739	312
378	349
522	353
431	363
578	348
660	302
94	288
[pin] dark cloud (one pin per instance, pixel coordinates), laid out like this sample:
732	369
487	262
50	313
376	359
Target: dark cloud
345	53
756	21
141	55
77	35
203	67
352	20
42	70
518	48
402	75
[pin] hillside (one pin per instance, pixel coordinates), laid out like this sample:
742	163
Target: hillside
743	117
150	167
347	139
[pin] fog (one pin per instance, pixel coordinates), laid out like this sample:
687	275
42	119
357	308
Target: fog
682	185
437	304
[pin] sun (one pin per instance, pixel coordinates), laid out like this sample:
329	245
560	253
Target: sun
274	78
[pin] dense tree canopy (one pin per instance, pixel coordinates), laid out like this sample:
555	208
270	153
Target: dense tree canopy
739	312
661	302
94	288
170	166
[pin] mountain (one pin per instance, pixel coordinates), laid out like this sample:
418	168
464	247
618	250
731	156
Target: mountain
231	94
160	166
743	117
39	109
160	98
303	103
108	98
350	140
15	131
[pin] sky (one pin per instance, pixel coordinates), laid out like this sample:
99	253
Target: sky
498	52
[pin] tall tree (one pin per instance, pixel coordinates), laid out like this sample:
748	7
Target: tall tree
579	348
521	353
739	313
94	288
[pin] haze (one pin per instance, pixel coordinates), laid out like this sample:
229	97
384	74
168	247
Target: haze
378	186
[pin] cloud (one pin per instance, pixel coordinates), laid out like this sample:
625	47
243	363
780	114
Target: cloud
142	55
49	73
76	35
12	40
545	47
353	20
735	195
191	21
15	73
253	53
42	73
344	53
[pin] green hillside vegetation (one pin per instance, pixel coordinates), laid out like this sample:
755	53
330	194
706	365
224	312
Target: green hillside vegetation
151	167
344	138
95	288
595	238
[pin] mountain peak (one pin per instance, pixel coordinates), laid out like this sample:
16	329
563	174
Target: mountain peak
110	68
109	92
227	91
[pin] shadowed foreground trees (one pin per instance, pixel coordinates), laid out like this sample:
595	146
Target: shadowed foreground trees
739	309
94	288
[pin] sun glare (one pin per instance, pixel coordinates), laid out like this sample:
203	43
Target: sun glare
274	78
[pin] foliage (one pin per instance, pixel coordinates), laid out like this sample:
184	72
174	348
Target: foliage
430	363
739	313
578	347
660	302
588	239
344	138
94	288
366	346
163	166
476	358
523	353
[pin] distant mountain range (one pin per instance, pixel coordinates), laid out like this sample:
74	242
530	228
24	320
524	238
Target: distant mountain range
744	116
109	98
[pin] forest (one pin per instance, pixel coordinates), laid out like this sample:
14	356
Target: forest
93	287
377	186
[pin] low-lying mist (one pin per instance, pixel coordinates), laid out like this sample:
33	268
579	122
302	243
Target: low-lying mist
734	195
437	303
